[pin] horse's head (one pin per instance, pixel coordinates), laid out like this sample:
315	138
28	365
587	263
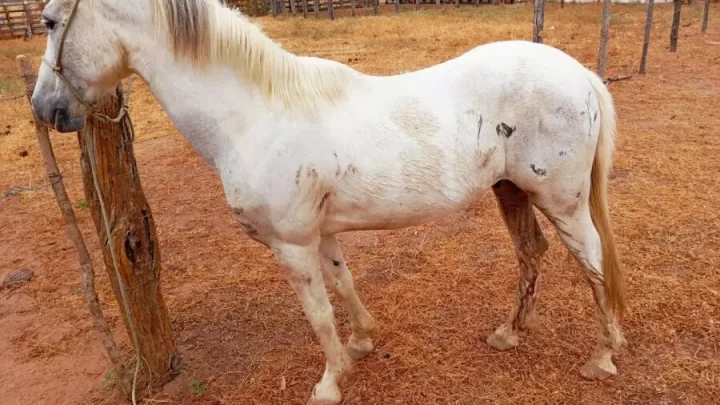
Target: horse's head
84	59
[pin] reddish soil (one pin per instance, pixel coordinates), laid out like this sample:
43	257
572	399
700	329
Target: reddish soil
436	291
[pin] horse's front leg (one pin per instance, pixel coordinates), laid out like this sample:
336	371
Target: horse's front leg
303	267
340	280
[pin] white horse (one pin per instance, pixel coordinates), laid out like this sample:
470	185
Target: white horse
307	148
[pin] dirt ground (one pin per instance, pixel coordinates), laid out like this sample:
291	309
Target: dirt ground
436	291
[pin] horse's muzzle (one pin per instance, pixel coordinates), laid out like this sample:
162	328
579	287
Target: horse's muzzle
57	115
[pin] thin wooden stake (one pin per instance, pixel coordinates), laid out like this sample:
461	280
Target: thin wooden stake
706	11
317	8
293	10
305	8
675	25
352	8
376	6
646	41
87	273
604	34
331	9
397	6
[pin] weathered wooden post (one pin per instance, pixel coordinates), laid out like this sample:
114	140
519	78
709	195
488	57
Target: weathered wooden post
317	8
646	41
376	6
397	6
675	25
331	10
292	7
305	8
604	33
352	8
538	20
87	273
131	252
706	11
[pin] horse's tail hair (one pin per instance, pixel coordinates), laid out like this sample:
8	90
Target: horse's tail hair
599	210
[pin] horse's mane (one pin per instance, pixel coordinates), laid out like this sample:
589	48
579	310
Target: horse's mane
206	32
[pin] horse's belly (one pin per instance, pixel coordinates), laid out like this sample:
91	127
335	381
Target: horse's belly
390	212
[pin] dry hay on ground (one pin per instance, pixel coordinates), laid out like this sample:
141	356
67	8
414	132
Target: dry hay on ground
435	290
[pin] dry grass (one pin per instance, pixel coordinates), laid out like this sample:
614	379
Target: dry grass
436	290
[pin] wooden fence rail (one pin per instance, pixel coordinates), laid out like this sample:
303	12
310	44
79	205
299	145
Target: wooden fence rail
20	19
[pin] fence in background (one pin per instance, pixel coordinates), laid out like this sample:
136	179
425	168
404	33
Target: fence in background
20	19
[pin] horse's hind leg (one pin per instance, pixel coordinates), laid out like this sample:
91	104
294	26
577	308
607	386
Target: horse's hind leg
575	226
530	244
340	280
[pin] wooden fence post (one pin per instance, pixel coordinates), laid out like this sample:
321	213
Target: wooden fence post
292	7
331	9
305	8
538	21
87	273
317	8
646	41
376	6
397	6
604	34
126	228
675	25
352	8
706	11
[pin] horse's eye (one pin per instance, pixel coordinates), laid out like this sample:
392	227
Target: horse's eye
48	23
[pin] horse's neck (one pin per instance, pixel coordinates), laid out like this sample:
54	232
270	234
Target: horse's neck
211	109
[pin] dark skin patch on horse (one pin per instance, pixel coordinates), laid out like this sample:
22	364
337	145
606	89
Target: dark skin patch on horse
337	170
322	201
336	263
480	122
350	169
538	171
578	195
297	175
505	130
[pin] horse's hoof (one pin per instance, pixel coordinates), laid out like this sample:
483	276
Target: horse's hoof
359	349
325	395
593	371
314	401
502	339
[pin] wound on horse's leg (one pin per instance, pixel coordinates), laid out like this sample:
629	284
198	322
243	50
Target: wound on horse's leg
530	244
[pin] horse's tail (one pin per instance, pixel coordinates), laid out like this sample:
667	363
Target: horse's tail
599	211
